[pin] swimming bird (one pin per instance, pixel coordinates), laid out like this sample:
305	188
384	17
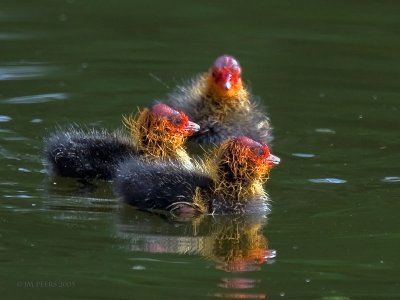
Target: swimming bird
222	105
230	180
156	133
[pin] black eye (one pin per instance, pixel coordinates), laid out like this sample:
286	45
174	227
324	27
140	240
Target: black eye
258	151
176	120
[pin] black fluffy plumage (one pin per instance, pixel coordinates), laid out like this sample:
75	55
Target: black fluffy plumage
158	185
219	123
88	154
213	131
167	186
230	180
222	105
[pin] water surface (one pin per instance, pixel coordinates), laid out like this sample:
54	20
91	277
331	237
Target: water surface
328	73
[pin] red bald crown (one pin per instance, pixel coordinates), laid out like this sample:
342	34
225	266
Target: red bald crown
260	150
226	72
178	120
163	110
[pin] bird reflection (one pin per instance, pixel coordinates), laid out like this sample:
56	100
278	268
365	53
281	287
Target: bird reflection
235	243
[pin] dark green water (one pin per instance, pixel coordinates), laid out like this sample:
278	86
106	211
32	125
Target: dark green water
327	70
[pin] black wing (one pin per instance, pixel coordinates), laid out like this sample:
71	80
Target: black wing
157	185
87	154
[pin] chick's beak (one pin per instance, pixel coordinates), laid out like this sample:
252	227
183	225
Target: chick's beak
192	127
273	160
227	81
227	85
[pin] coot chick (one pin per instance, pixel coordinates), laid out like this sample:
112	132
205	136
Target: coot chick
158	132
229	181
222	105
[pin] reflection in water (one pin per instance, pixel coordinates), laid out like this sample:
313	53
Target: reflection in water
235	243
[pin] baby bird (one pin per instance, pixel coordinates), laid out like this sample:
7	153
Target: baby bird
156	133
229	181
222	105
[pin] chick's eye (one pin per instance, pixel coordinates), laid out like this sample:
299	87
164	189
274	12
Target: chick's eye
176	120
258	151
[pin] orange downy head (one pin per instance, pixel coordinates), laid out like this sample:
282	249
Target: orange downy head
245	160
225	76
160	130
256	152
172	122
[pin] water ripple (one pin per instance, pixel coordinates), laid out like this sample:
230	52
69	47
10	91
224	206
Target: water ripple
4	153
37	98
2	130
328	180
303	155
8	36
325	130
18	196
391	179
23	72
10	183
37	120
4	118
